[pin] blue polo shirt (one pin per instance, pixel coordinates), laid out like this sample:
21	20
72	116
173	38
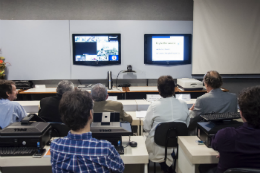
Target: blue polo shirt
10	112
238	148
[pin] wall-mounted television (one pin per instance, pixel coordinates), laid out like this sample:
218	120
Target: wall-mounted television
96	49
167	49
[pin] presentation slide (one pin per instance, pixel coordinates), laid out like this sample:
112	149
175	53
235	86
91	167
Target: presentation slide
168	48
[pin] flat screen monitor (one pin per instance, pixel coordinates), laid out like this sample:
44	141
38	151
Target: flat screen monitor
96	49
167	49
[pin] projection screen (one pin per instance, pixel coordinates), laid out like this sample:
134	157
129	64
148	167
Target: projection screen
226	36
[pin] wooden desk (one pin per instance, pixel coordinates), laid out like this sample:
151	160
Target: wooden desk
129	105
141	91
122	93
33	106
138	155
39	93
53	91
192	154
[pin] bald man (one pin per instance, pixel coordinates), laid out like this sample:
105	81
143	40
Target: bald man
215	100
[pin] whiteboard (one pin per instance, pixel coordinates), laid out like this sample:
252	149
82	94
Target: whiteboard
42	49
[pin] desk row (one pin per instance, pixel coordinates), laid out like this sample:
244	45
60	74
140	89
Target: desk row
113	90
129	105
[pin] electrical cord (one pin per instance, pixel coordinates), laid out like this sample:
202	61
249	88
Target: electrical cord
127	143
117	78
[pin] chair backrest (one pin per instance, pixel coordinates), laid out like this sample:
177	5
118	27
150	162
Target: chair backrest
242	170
170	131
59	129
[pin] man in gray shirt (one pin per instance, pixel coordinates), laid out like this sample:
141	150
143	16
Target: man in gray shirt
215	100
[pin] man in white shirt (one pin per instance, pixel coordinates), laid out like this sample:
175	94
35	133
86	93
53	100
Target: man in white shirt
166	109
10	111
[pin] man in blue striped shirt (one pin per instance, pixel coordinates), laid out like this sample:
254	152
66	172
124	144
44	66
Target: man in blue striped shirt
78	151
10	111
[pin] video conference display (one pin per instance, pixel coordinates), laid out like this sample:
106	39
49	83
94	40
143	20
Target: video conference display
96	48
167	49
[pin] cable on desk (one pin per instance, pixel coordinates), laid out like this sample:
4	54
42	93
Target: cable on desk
117	78
127	143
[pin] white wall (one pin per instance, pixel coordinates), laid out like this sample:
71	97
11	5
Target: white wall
36	49
42	49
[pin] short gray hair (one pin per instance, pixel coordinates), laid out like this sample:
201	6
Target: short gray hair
64	86
99	92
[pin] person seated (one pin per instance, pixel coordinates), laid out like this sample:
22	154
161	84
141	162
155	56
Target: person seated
78	151
49	106
10	111
215	100
166	109
239	147
101	104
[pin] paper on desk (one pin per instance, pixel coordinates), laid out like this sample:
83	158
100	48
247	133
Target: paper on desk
113	98
152	97
140	114
184	97
48	153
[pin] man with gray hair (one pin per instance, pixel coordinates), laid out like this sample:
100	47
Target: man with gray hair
49	106
101	104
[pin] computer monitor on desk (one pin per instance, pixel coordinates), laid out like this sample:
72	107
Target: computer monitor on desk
107	126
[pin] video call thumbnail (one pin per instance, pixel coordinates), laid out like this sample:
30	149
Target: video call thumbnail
96	48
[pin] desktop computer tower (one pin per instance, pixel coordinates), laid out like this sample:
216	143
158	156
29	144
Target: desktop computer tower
206	130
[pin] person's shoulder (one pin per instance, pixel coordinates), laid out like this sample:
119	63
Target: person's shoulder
113	102
104	144
180	101
232	95
226	134
58	141
46	99
49	100
204	96
15	104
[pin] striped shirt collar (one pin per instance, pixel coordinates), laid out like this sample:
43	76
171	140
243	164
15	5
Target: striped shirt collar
83	136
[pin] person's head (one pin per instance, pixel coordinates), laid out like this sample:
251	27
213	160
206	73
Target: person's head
76	109
213	80
99	92
249	103
166	86
64	86
8	90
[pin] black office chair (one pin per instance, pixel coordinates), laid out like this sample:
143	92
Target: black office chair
166	135
59	129
242	170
